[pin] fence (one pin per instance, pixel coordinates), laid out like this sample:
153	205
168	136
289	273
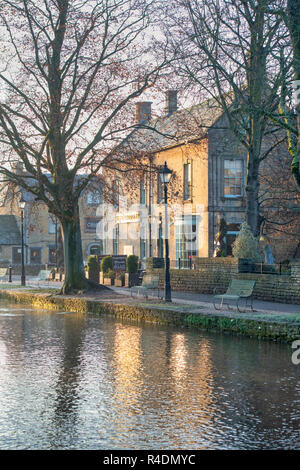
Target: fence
257	268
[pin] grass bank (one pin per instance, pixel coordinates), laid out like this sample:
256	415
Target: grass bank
274	327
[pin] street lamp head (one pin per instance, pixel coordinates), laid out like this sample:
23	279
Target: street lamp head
165	174
22	203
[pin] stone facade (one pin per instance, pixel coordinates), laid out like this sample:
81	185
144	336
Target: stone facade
41	233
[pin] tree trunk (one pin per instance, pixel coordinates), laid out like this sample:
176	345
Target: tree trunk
74	270
253	216
293	11
252	189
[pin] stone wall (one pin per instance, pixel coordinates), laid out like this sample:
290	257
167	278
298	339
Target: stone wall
211	273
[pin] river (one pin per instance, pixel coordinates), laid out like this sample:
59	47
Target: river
79	381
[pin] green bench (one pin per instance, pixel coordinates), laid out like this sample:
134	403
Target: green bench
149	283
238	289
43	275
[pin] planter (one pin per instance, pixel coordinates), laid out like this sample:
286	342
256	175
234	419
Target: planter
108	282
119	282
131	279
93	275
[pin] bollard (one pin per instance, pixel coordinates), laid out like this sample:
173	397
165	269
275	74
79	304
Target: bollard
9	273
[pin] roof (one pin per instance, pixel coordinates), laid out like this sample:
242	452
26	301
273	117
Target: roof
182	126
9	230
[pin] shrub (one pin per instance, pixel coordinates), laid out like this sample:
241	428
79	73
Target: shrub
246	245
110	274
92	263
106	264
132	264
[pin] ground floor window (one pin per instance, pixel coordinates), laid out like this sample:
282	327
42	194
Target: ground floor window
16	255
160	242
95	249
52	255
186	240
142	248
231	234
116	240
35	256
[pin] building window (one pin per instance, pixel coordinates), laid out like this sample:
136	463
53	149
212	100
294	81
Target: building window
116	240
142	192
115	194
90	224
160	241
187	181
186	240
95	250
94	198
16	255
160	190
52	255
51	224
35	255
142	248
233	178
143	237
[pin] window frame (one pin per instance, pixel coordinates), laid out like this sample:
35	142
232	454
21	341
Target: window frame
240	178
187	182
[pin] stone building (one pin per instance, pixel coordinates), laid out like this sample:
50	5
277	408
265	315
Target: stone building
41	229
209	168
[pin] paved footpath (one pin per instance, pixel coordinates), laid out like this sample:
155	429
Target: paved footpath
206	300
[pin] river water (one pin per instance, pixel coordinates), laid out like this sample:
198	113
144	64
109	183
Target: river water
78	381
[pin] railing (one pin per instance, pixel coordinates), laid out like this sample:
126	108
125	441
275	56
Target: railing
182	263
257	268
276	268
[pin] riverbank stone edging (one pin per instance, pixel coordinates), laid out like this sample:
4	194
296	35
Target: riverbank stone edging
183	315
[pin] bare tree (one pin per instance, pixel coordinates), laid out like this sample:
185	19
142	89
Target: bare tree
71	70
232	50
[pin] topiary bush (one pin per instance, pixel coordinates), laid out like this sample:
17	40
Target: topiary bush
132	264
92	263
246	245
106	264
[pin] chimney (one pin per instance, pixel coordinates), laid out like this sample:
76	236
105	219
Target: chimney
143	111
171	102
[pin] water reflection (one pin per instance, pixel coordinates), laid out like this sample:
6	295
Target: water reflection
66	402
80	381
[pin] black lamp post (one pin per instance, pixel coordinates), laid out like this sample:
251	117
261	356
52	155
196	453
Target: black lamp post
165	176
22	207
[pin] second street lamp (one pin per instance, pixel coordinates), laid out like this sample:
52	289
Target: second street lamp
165	176
22	207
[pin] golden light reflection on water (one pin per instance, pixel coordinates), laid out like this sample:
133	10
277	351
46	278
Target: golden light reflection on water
178	358
128	365
193	387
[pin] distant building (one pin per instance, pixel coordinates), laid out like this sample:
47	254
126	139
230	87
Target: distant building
41	229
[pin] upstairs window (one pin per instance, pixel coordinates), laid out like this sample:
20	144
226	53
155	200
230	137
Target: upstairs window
93	198
115	194
187	181
160	190
233	178
90	224
142	192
